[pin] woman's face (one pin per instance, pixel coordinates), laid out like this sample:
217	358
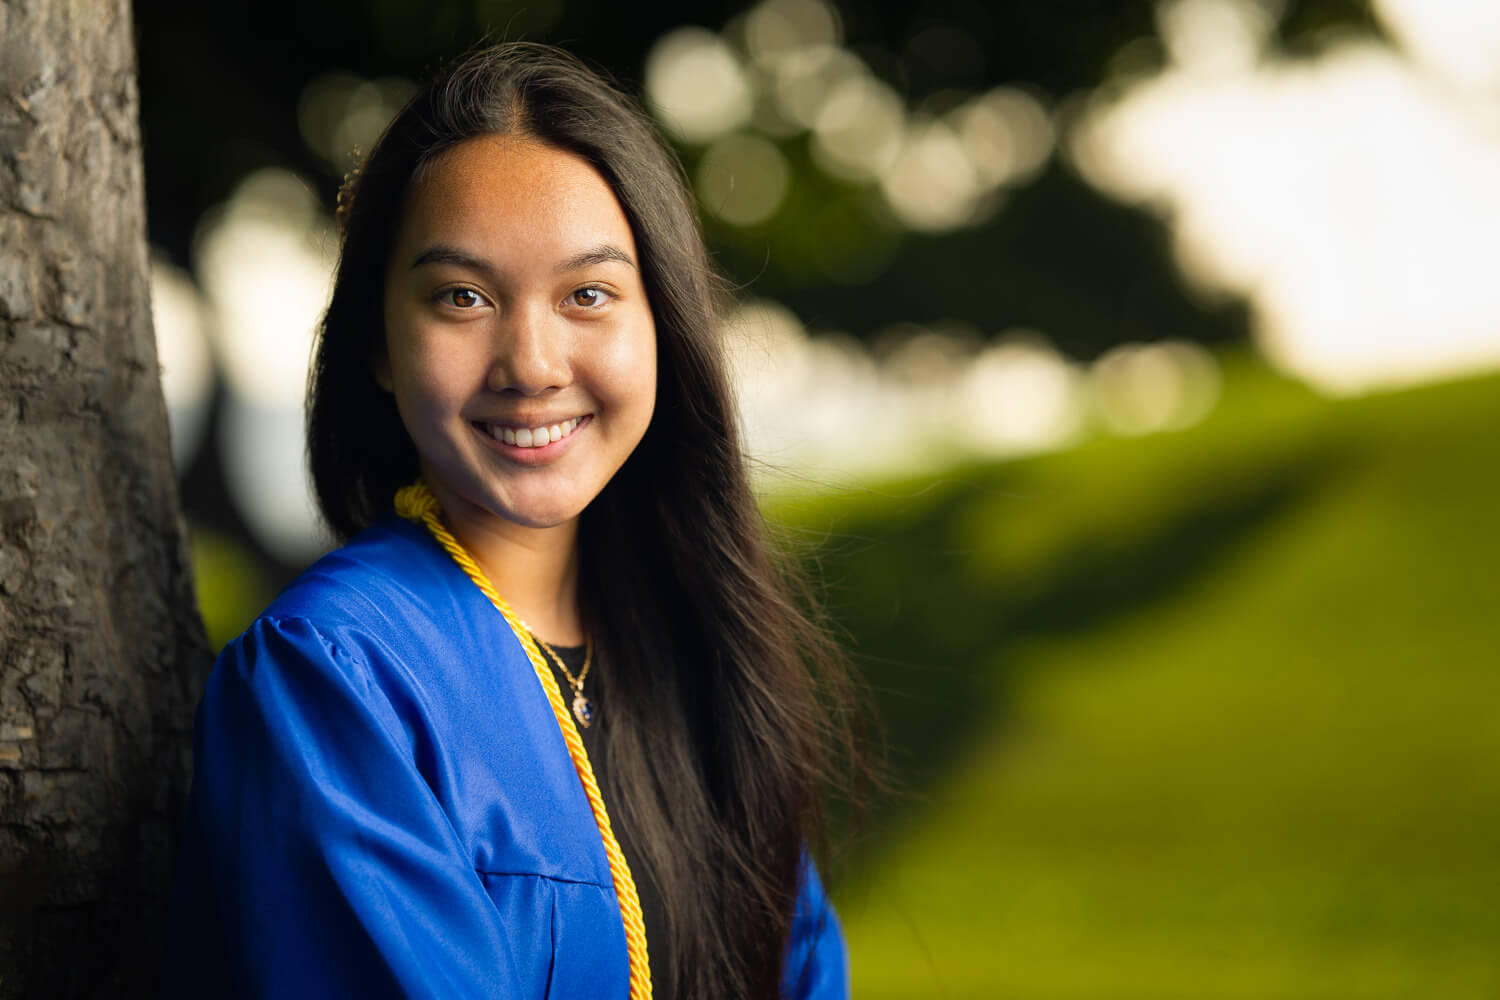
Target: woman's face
520	346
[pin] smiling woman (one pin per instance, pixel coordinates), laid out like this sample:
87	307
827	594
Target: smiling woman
520	424
514	309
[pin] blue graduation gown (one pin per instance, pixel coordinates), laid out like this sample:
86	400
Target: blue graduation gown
383	805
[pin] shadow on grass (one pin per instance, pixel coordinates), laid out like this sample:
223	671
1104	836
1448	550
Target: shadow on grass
932	623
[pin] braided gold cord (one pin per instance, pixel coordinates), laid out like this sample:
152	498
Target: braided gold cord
416	503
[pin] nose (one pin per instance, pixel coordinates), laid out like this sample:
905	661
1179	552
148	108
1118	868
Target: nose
531	354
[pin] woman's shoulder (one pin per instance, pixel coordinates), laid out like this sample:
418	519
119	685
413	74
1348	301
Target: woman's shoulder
388	566
387	596
393	608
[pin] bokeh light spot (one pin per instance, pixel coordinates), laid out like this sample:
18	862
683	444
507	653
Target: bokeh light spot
742	179
341	115
858	130
932	184
1146	388
187	374
696	85
777	27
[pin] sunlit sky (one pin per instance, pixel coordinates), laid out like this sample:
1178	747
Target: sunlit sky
1352	198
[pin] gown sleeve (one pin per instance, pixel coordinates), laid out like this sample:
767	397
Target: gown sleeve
316	860
817	962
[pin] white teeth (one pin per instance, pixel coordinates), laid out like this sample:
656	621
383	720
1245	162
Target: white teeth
534	437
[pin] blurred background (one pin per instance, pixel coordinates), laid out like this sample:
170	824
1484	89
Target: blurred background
1126	372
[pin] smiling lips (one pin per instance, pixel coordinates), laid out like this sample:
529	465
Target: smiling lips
532	437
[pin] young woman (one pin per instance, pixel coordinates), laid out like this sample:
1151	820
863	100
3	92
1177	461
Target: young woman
548	723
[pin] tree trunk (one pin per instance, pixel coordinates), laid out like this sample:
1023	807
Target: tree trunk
101	648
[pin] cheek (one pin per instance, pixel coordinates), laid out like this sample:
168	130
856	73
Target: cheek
429	370
629	366
628	372
645	371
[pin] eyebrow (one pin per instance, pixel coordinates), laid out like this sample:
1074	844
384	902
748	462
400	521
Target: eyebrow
443	253
600	254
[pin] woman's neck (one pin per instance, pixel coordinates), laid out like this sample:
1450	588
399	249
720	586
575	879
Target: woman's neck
534	569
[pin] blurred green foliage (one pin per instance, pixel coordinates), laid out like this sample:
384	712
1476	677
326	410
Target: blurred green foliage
1204	714
232	587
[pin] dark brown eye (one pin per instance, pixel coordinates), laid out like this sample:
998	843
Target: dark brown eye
589	297
464	298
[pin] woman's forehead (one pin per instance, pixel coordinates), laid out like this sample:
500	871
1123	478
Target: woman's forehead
499	191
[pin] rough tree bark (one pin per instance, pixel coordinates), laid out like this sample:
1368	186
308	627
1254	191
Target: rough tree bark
101	649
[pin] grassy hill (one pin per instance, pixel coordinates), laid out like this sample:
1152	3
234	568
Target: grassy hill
1210	714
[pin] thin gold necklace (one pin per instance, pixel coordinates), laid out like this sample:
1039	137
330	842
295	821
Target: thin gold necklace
583	709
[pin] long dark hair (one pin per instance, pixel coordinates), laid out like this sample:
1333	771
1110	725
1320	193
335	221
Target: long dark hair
725	699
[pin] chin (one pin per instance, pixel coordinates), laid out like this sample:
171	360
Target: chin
540	517
541	523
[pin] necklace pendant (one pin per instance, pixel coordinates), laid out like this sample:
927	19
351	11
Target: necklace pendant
583	711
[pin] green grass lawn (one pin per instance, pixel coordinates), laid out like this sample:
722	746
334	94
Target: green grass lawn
1198	715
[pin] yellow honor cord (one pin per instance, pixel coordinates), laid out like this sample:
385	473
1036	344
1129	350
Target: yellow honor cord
416	503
